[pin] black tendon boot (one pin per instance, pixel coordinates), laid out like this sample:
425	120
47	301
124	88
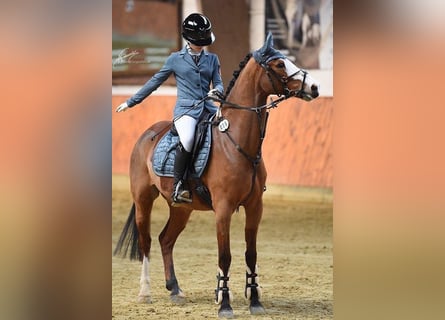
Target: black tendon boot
181	161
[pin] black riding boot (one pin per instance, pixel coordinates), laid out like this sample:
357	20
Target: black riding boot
181	161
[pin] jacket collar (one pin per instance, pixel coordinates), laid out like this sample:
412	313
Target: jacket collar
188	58
184	51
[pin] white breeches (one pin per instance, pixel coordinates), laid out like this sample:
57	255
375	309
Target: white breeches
185	126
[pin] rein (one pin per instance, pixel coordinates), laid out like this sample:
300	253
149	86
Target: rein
228	104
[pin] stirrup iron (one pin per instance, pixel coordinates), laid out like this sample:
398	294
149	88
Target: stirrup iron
181	195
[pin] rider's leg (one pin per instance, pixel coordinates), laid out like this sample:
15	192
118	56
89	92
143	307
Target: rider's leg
180	194
185	126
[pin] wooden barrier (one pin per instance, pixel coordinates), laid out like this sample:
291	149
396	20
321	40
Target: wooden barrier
297	149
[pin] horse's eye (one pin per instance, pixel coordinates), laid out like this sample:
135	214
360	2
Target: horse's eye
280	65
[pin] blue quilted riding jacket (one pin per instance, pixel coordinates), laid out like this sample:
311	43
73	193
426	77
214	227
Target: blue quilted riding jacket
192	80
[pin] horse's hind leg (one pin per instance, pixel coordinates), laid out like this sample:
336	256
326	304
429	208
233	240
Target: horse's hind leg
167	238
144	198
254	212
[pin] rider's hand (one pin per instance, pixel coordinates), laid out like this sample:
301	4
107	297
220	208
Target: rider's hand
122	107
214	94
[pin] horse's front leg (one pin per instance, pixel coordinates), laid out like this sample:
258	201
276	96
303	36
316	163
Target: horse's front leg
253	291
223	296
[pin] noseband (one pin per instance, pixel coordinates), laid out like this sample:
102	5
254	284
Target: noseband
287	92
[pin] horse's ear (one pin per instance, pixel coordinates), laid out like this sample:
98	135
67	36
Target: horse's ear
267	52
269	40
268	43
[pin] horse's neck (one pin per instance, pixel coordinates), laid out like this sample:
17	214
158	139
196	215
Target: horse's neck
247	92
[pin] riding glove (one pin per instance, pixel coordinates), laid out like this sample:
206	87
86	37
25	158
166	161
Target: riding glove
122	107
214	94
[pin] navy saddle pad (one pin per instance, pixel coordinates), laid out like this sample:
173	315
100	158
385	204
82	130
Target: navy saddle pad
164	154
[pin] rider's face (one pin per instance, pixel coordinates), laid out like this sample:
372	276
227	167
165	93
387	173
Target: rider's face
195	48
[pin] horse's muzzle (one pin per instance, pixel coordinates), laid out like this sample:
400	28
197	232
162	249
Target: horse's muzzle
308	96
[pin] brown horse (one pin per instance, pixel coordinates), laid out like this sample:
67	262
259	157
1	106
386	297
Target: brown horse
235	175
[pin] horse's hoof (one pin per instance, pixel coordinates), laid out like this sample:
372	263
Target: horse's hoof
144	299
256	308
178	298
226	313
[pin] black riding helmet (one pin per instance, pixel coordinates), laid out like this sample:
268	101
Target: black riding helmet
197	29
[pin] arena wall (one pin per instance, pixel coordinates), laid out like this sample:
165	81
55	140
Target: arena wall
297	149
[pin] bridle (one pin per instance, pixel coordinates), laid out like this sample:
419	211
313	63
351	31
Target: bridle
287	92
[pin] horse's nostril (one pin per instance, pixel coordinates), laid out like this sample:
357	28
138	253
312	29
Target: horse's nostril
314	89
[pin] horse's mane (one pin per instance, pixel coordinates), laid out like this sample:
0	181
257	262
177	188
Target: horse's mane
236	73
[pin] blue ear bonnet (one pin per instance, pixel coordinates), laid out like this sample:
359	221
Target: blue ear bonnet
267	53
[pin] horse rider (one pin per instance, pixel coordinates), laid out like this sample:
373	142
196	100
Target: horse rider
197	73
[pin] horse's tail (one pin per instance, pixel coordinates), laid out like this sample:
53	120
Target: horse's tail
129	238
